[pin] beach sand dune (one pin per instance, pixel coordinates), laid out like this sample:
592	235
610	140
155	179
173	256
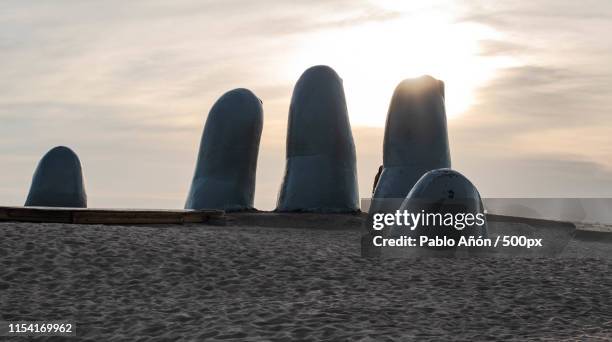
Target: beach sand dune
197	282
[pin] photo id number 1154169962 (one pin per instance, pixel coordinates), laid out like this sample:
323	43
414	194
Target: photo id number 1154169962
38	328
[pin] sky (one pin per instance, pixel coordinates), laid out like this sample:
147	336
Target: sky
128	85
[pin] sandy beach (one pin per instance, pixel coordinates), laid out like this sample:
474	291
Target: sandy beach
244	283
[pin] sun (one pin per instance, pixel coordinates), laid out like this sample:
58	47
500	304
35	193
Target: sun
373	57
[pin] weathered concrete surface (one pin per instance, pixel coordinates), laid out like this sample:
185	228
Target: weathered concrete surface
227	161
321	173
416	139
58	181
446	191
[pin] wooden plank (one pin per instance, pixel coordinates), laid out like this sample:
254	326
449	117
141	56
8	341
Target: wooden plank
110	216
327	221
32	214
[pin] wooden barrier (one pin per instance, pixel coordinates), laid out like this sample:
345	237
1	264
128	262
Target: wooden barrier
110	216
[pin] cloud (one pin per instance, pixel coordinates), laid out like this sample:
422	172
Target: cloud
538	131
555	104
493	48
542	175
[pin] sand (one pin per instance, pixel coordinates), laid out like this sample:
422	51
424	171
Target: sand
197	282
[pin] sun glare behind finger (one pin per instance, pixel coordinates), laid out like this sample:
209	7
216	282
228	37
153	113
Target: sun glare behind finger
373	57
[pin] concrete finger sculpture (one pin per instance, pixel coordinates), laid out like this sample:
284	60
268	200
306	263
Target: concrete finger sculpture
227	161
58	181
320	174
450	206
416	139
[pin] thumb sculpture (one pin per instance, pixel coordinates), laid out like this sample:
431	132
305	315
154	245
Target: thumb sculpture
58	181
224	177
439	194
320	174
416	139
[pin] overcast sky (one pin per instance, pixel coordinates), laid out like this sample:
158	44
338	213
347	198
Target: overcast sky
128	85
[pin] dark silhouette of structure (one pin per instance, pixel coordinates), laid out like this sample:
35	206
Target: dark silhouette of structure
444	192
320	174
377	178
58	181
416	139
224	177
